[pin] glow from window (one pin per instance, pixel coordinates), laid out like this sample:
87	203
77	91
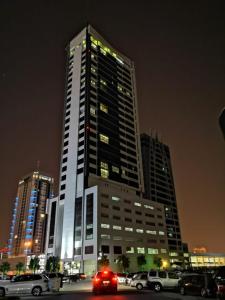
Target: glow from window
104	165
105	236
137	204
104	173
151	232
104	108
161	233
139	230
149	206
130	250
115	227
104	138
129	229
173	254
105	226
140	250
92	111
114	198
103	82
163	250
115	169
153	251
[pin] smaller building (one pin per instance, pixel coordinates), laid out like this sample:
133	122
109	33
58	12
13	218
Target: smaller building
199	260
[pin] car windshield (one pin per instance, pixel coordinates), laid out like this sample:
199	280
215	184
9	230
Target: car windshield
105	274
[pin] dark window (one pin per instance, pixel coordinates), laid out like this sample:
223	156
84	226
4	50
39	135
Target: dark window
62	197
66	143
128	220
65	151
117	249
89	217
105	249
116	207
63	177
66	135
63	186
162	274
89	249
67	128
78	216
64	159
152	273
64	168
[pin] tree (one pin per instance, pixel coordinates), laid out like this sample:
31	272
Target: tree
123	261
103	261
5	267
20	267
157	262
141	261
52	264
34	264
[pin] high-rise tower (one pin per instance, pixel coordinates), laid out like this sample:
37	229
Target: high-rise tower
159	187
99	208
27	231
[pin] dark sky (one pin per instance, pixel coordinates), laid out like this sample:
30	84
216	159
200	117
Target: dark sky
179	52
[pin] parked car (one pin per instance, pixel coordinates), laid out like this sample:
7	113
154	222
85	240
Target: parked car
104	281
140	281
121	277
55	281
129	277
197	284
34	284
220	288
159	280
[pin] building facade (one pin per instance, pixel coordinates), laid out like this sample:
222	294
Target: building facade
101	172
199	260
159	187
27	231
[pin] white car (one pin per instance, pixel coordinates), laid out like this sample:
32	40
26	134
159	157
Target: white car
140	281
33	284
121	277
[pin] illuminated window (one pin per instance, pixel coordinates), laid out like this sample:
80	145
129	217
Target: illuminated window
151	232
104	108
115	169
130	250
119	87
149	206
93	45
115	227
104	138
105	226
137	204
104	165
92	111
161	233
115	198
105	236
140	250
163	251
103	82
139	230
153	251
128	229
104	173
103	51
93	83
173	254
93	70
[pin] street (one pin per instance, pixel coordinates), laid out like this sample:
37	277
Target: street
82	290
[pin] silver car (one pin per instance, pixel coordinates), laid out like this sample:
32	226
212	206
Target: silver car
33	284
159	280
139	281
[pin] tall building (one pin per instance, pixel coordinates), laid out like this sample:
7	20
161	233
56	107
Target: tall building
100	209
27	231
159	187
222	121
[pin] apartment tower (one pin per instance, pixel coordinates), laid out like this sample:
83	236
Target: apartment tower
27	231
159	187
99	209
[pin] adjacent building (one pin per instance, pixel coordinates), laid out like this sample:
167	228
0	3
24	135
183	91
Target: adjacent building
199	260
27	231
100	209
159	187
222	121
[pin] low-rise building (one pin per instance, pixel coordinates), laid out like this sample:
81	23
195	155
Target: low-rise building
207	260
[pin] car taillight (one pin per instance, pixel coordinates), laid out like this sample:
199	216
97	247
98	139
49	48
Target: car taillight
96	279
114	279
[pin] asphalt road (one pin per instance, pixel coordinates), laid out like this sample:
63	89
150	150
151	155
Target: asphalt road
82	290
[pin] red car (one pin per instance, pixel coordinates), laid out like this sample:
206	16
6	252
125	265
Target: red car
104	281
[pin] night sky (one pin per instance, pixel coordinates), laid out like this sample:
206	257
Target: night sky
179	51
